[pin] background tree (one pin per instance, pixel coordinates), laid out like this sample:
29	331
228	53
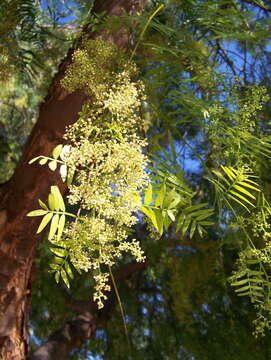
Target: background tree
203	66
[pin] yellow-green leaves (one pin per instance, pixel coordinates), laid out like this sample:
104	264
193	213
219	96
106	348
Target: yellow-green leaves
42	161
148	196
60	266
37	213
161	213
160	196
59	157
57	198
54	213
153	212
169	206
237	185
52	165
57	151
46	219
53	227
250	282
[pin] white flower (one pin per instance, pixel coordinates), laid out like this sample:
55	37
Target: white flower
63	172
65	152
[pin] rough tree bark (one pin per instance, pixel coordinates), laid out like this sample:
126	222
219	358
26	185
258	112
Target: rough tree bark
18	241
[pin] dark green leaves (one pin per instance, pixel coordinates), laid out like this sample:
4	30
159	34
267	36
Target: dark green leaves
61	267
194	218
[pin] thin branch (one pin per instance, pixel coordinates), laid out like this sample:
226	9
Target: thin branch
251	2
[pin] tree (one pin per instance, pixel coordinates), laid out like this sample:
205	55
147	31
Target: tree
16	273
219	121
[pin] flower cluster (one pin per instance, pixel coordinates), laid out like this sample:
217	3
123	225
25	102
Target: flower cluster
105	151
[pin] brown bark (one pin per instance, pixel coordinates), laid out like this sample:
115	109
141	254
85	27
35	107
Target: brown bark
29	183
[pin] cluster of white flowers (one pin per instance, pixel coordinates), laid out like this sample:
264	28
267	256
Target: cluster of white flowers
105	150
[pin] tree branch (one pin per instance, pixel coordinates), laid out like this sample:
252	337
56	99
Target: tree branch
77	331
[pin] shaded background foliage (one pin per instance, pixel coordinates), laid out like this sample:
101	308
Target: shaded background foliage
195	54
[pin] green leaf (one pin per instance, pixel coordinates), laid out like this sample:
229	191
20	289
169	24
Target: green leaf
42	205
37	212
171	215
44	222
206	223
255	272
159	220
160	196
205	215
180	222
229	172
186	225
137	198
65	278
200	230
241	197
148	195
175	202
57	150
193	228
167	221
201	213
244	191
34	159
59	261
58	252
69	270
54	225
151	215
43	161
52	165
58	199
240	202
257	288
247	293
170	198
145	210
252	261
244	288
195	207
248	185
57	274
61	225
54	266
51	202
240	282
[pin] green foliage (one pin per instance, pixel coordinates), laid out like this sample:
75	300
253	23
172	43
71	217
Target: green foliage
209	195
106	163
54	213
168	206
236	185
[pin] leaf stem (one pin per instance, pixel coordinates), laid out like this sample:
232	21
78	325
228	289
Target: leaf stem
144	29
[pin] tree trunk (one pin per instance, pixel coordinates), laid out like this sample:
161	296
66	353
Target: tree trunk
29	183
